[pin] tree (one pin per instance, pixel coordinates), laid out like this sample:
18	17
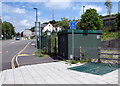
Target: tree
90	20
108	5
32	29
118	21
7	29
52	22
64	23
18	34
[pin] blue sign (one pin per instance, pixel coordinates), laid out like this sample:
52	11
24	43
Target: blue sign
72	24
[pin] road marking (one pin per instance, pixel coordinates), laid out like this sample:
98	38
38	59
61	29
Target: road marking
6	51
33	54
15	57
12	42
25	55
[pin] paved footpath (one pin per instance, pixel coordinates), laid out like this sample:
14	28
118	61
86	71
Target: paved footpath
31	59
54	73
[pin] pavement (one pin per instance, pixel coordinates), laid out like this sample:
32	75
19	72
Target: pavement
46	70
26	57
54	73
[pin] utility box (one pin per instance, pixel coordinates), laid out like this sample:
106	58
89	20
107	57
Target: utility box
86	43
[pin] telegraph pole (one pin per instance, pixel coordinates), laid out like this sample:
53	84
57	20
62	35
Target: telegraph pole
52	14
52	30
83	9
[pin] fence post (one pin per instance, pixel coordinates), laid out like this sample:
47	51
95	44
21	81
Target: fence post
99	53
55	46
80	52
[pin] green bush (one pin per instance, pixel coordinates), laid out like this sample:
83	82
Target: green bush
110	35
73	61
40	53
83	60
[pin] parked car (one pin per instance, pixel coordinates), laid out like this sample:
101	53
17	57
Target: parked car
17	38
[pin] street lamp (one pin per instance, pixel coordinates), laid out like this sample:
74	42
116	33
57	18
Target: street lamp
36	28
119	7
83	9
48	34
50	39
36	14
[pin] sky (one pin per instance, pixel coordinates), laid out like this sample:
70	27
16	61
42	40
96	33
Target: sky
22	14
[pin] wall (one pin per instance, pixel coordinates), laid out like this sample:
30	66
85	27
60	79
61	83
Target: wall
85	41
115	43
63	46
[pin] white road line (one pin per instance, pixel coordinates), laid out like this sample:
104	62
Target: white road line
17	60
12	42
6	51
16	57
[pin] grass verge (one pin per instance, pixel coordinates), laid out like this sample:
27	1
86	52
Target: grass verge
40	53
110	35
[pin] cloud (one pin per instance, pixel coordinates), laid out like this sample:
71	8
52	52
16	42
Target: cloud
10	9
39	13
104	14
8	18
42	20
57	0
24	0
98	8
0	8
25	23
56	4
19	11
20	25
19	17
76	7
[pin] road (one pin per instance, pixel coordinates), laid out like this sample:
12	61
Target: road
9	49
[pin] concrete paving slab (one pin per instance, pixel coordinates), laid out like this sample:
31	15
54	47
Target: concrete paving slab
55	73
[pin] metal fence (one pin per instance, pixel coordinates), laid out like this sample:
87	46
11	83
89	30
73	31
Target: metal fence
84	52
50	43
103	54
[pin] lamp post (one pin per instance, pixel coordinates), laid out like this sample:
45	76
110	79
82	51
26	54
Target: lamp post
5	35
83	9
40	37
36	27
36	14
48	42
118	12
50	38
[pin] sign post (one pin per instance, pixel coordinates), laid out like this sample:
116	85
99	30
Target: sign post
38	34
73	27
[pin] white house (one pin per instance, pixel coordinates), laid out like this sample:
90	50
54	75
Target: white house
57	29
27	33
47	27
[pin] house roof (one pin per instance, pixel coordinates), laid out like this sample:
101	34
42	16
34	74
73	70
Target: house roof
109	18
43	25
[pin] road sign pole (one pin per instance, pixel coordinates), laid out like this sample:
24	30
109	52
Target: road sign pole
36	35
73	44
40	41
72	27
